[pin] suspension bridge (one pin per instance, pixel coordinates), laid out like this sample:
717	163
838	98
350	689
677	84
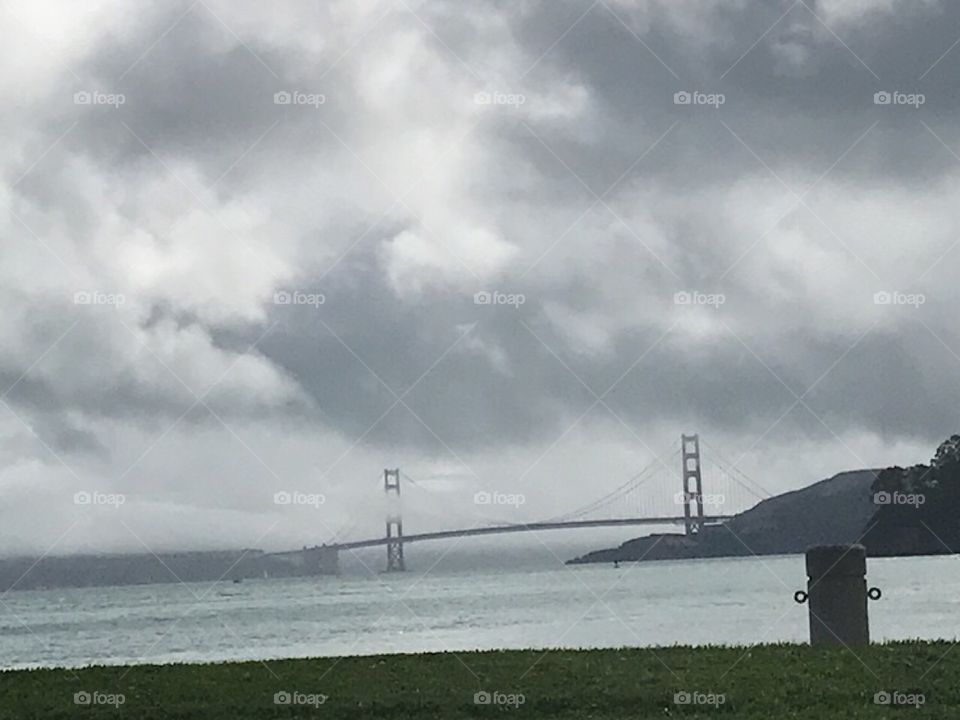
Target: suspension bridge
641	500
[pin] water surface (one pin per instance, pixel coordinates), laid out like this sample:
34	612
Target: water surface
725	601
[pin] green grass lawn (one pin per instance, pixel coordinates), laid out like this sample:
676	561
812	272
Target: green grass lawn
764	682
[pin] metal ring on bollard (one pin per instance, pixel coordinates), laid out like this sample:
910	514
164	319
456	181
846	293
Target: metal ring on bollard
874	593
800	597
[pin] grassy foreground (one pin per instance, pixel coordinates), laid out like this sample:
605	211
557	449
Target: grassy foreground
771	681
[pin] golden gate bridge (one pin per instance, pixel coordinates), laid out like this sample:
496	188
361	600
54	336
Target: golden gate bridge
638	501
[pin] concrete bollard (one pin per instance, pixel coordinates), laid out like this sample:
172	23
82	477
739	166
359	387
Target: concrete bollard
837	593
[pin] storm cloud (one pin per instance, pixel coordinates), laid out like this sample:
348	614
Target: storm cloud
248	248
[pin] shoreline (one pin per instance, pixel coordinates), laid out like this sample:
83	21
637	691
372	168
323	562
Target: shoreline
398	655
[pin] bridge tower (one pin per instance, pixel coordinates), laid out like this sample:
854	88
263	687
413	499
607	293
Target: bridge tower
692	484
391	486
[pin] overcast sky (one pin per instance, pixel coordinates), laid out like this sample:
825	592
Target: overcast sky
683	212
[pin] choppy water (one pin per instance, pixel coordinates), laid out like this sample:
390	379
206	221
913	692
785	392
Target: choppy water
728	601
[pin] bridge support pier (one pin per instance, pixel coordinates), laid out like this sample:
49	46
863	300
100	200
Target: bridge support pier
391	486
395	561
692	484
321	560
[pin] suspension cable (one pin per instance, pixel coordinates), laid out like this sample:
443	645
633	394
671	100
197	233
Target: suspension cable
615	494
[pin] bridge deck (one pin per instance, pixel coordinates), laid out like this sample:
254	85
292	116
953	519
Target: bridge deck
520	527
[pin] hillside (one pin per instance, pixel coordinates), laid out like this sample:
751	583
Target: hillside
836	510
918	507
